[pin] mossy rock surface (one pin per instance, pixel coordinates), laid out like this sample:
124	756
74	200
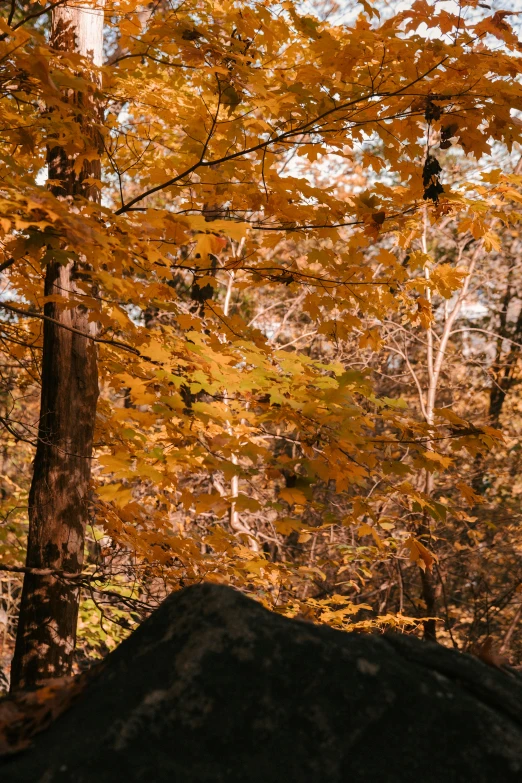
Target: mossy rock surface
213	688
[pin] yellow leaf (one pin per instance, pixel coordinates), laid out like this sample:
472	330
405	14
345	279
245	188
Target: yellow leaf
157	352
424	312
117	464
187	321
420	555
293	495
446	279
434	456
370	339
231	228
367	530
115	493
208	244
468	493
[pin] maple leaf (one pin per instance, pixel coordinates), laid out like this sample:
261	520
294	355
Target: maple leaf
419	554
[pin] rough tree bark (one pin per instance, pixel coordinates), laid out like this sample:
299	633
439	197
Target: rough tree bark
58	500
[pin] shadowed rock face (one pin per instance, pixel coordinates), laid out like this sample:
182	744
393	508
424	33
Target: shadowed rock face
214	688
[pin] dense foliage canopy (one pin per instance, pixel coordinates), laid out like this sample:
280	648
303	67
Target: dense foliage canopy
300	259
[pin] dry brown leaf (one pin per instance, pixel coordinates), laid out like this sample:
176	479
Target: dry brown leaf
25	713
488	654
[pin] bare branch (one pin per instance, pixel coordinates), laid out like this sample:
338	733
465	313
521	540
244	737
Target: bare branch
43	317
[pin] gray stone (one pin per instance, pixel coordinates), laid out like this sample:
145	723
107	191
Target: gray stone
213	688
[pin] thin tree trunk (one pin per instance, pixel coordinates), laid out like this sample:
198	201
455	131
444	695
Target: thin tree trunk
434	366
429	596
59	495
435	359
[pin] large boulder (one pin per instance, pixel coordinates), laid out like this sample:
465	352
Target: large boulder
213	688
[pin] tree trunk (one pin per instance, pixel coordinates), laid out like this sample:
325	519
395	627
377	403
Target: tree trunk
429	596
59	495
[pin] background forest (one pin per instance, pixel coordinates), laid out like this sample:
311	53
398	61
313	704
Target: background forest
293	246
